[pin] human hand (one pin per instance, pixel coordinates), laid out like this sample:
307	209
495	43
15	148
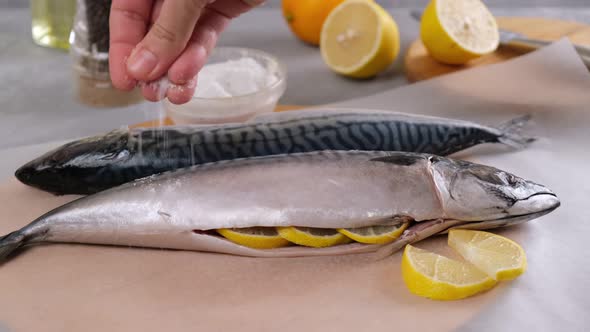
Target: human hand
150	39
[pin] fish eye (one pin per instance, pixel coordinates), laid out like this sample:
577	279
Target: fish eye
507	179
512	180
58	156
485	174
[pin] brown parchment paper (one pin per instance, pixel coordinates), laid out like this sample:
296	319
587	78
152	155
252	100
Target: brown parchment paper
99	288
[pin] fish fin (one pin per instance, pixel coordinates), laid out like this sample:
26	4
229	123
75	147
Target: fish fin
510	132
11	242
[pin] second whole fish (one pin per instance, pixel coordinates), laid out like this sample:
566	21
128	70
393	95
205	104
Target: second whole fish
328	189
94	164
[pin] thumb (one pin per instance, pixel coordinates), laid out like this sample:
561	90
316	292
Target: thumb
165	40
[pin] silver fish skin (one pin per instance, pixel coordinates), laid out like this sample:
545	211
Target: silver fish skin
93	164
329	189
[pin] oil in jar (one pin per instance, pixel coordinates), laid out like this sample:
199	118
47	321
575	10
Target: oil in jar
52	22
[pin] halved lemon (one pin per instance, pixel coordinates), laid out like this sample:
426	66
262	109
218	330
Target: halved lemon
359	39
456	31
254	237
312	237
497	256
375	234
440	278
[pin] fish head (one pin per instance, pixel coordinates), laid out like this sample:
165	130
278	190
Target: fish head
75	163
476	193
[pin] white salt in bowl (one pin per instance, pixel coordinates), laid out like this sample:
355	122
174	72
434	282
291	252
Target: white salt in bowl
244	83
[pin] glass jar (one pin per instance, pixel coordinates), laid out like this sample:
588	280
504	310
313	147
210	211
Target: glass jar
51	22
89	47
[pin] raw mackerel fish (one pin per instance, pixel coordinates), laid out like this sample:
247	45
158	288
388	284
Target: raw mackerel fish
329	189
97	163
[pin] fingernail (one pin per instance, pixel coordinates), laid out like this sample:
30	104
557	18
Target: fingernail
130	82
192	83
142	62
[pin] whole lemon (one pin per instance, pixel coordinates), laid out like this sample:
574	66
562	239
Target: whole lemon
306	17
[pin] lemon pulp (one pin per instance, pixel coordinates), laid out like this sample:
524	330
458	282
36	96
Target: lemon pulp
456	31
312	237
375	234
254	237
359	39
440	278
499	257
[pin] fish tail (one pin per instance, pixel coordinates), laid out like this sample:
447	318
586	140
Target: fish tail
11	242
510	132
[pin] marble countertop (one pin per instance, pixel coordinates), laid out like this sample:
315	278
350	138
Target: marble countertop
37	87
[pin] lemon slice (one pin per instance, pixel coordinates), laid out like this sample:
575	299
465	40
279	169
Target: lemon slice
456	31
254	237
499	257
440	278
359	39
313	237
375	234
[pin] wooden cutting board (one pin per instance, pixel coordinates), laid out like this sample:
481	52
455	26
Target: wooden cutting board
420	66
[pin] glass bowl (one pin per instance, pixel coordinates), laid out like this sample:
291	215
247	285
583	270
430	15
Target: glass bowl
238	108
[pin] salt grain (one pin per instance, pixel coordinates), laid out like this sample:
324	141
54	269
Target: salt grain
232	78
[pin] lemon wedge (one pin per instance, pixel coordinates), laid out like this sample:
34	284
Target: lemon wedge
254	237
375	234
456	31
359	39
497	256
312	237
440	278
